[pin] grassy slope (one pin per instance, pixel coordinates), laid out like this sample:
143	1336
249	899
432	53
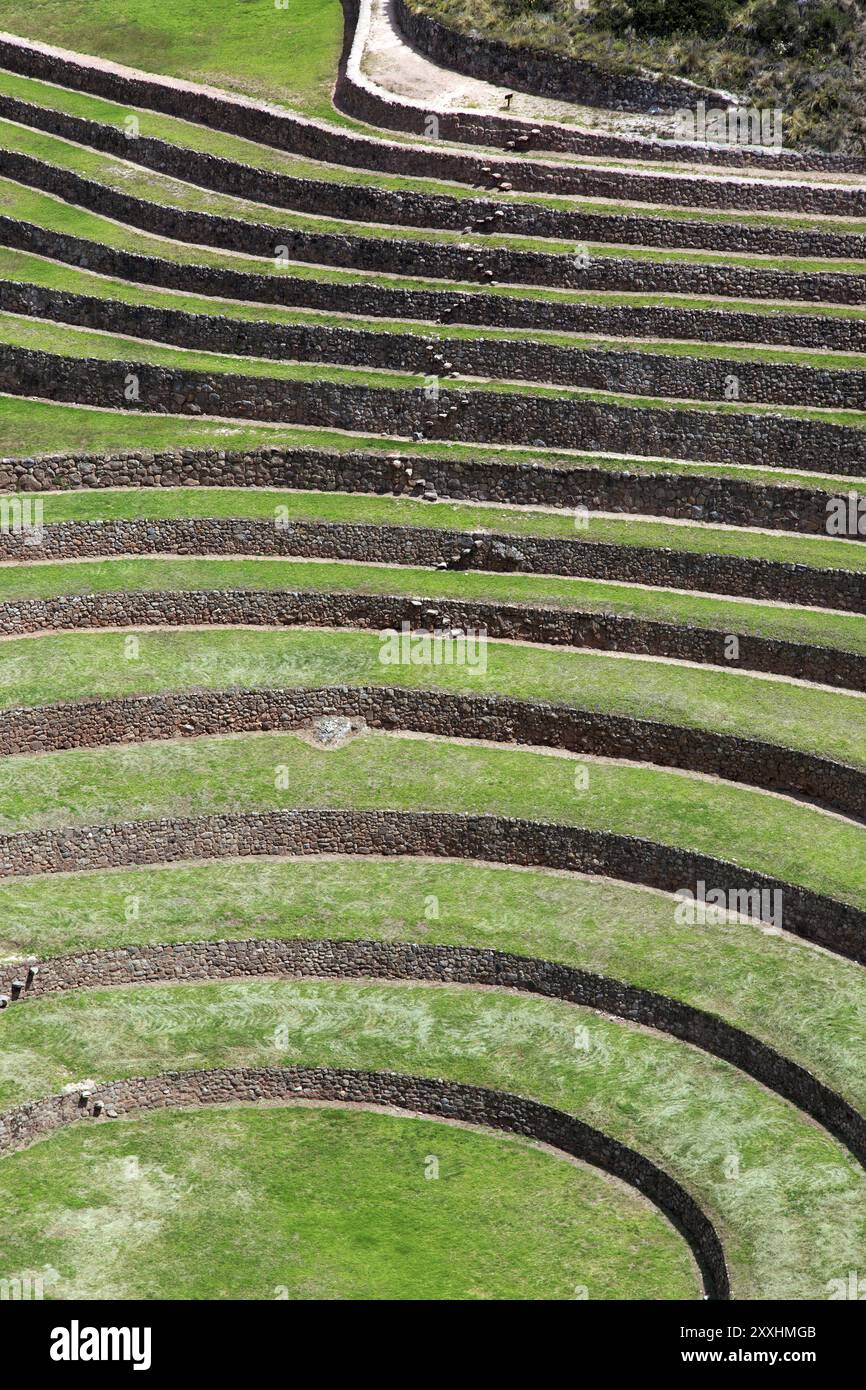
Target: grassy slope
34	270
81	665
152	1208
808	1004
30	428
785	548
284	55
43	335
144	183
264	772
819	627
794	1217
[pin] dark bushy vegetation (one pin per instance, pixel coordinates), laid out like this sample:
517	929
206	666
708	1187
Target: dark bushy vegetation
665	17
806	57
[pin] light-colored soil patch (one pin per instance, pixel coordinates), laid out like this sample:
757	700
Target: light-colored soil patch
390	63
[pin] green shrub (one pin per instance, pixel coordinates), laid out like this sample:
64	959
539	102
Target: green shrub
818	26
663	17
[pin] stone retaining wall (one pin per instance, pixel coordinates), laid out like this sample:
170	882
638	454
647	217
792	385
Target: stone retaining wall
700	498
526	623
444	261
263	123
469	415
361	203
274	126
601	368
542	72
448	306
535	723
461	965
441	548
838	927
443	1099
358	97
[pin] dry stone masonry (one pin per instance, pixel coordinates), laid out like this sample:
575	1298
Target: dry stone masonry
470	416
725	210
601	368
363	203
500	719
515	622
359	98
729	501
462	307
422	1095
837	926
456	965
449	261
440	548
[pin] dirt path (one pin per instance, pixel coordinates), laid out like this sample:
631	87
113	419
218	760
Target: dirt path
390	63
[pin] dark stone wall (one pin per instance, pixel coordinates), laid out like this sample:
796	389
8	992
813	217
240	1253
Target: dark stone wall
839	927
545	73
443	1099
440	548
478	128
285	130
446	306
216	960
450	262
361	203
472	416
599	368
699	498
526	623
266	125
497	718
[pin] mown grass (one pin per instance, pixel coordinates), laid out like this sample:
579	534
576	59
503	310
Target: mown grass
69	666
153	187
283	55
793	1217
154	124
43	335
31	205
333	1204
34	428
203	139
808	1004
35	270
264	505
188	136
819	627
264	772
